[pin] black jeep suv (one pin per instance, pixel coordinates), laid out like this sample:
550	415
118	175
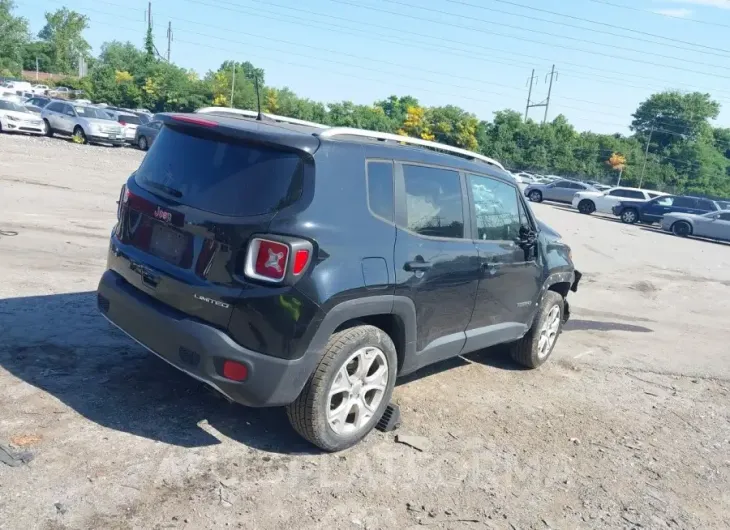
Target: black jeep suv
287	264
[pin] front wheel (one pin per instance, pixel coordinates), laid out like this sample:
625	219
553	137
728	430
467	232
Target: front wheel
47	126
142	143
79	136
535	347
535	196
586	206
349	390
682	229
629	216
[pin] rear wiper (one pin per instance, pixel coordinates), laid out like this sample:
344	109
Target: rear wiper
167	189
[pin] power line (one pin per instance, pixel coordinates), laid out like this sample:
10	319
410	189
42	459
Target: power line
646	12
397	65
522	15
509	36
469	53
602	24
268	48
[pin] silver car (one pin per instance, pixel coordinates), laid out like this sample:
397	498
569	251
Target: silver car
713	225
83	123
561	190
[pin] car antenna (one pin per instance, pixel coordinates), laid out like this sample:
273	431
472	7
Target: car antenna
260	116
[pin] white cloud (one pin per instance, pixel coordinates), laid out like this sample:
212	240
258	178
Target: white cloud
721	4
675	13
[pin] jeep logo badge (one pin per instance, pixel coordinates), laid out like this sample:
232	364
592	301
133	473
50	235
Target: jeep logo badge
161	214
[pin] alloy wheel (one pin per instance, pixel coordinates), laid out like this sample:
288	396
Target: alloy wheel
357	390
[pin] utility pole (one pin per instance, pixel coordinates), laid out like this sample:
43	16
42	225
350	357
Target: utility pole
546	103
529	94
646	155
233	83
553	73
169	39
149	15
36	68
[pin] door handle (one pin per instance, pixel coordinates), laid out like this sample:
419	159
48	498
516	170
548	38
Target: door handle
415	266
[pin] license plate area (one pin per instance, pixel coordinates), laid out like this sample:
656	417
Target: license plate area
168	244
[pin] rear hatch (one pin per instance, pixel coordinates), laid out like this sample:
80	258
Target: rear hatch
187	214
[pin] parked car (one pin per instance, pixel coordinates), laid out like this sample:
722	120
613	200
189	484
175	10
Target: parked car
713	225
653	210
129	122
146	133
19	87
38	101
16	118
84	123
561	190
588	202
235	259
39	90
60	91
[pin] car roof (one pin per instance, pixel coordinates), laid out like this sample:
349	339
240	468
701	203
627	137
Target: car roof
301	133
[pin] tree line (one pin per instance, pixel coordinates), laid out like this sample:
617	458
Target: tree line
686	154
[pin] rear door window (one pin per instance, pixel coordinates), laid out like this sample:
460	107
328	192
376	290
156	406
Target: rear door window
225	177
685	202
433	201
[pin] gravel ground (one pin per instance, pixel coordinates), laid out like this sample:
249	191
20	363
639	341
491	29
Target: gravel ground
628	426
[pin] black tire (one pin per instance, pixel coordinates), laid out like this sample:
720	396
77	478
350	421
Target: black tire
49	131
586	206
535	196
682	229
308	414
142	143
526	350
630	216
80	134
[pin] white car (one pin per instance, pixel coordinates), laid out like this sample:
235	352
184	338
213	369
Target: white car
39	90
16	118
588	202
129	123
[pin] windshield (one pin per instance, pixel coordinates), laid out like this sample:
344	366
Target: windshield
91	112
9	105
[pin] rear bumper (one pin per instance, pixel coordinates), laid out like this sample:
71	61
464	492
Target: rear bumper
199	349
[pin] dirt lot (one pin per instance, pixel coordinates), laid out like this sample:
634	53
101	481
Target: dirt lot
627	427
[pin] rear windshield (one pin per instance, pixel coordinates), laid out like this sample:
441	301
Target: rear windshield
219	176
128	118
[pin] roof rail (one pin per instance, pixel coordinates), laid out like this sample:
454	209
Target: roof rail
254	114
347	131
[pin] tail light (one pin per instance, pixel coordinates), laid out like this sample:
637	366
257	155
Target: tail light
123	198
277	260
122	123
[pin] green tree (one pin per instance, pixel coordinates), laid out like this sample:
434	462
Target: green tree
63	31
14	36
673	117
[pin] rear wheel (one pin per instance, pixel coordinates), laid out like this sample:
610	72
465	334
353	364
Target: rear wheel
535	347
629	216
142	143
682	229
586	206
49	131
535	196
349	390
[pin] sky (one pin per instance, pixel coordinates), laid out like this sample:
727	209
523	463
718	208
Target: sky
476	54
